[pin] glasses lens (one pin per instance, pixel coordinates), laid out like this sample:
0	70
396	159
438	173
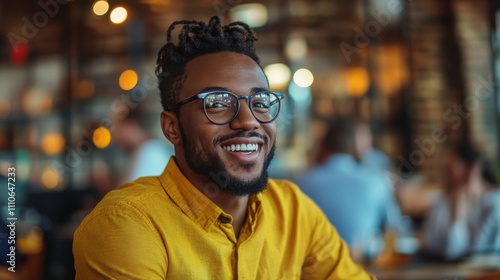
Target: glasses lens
265	106
220	107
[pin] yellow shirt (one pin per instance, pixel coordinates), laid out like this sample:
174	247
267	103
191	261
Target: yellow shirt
165	228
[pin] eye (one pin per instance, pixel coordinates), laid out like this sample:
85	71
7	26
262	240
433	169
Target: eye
261	101
260	104
215	105
218	102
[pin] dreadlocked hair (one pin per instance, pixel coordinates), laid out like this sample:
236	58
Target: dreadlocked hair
195	39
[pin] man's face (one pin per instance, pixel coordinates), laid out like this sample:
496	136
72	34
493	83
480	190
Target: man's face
206	146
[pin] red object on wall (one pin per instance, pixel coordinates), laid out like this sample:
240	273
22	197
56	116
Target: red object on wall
19	53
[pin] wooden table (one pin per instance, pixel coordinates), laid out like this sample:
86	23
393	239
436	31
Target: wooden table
476	268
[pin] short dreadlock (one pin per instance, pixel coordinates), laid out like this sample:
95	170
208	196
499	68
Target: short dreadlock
195	39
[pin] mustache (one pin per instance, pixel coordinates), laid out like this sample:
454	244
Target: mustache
238	134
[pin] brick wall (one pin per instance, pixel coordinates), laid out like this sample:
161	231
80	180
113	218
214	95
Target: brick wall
473	32
451	92
433	87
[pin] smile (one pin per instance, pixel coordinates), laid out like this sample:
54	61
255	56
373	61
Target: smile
241	147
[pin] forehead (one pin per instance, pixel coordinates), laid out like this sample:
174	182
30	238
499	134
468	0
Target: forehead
236	72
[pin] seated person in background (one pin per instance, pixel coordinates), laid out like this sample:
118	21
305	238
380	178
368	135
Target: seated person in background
357	200
146	156
213	213
368	155
466	220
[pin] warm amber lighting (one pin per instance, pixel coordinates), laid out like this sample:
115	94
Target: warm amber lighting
83	89
50	178
31	242
391	72
36	102
278	75
118	15
101	137
53	143
303	77
357	81
100	7
128	79
5	108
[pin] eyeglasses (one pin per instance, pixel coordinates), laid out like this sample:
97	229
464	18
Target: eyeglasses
222	107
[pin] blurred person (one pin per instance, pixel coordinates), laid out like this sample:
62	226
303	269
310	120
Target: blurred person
367	153
358	201
146	156
213	213
466	219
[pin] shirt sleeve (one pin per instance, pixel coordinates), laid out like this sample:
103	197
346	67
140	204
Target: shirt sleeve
328	257
118	243
445	238
488	232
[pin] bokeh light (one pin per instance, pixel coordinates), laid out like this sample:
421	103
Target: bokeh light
128	79
31	242
101	137
357	81
303	77
50	178
278	75
53	143
296	48
36	102
253	14
118	15
100	7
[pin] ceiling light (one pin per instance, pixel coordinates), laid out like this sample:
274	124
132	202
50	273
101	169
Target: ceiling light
118	15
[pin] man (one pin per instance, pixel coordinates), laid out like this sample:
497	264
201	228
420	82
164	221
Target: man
213	213
357	200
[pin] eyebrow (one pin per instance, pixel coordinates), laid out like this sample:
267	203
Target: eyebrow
253	90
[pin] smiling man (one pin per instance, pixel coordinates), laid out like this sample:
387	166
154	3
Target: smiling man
213	213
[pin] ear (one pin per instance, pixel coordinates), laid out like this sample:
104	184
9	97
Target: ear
170	127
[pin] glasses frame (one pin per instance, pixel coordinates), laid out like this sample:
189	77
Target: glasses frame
203	95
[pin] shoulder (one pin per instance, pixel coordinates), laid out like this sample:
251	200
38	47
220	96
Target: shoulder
286	197
283	189
131	202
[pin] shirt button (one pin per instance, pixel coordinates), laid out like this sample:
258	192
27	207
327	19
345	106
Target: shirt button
224	219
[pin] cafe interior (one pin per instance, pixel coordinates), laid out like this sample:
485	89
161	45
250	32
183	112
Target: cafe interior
422	75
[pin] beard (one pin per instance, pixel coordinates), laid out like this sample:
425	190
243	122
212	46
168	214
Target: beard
212	167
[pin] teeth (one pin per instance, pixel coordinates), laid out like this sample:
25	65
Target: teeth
241	147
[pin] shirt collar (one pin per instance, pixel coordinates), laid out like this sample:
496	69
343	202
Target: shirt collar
195	204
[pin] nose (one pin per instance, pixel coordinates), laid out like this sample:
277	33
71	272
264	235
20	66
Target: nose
245	120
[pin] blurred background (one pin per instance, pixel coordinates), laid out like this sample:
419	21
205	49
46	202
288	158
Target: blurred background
423	74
